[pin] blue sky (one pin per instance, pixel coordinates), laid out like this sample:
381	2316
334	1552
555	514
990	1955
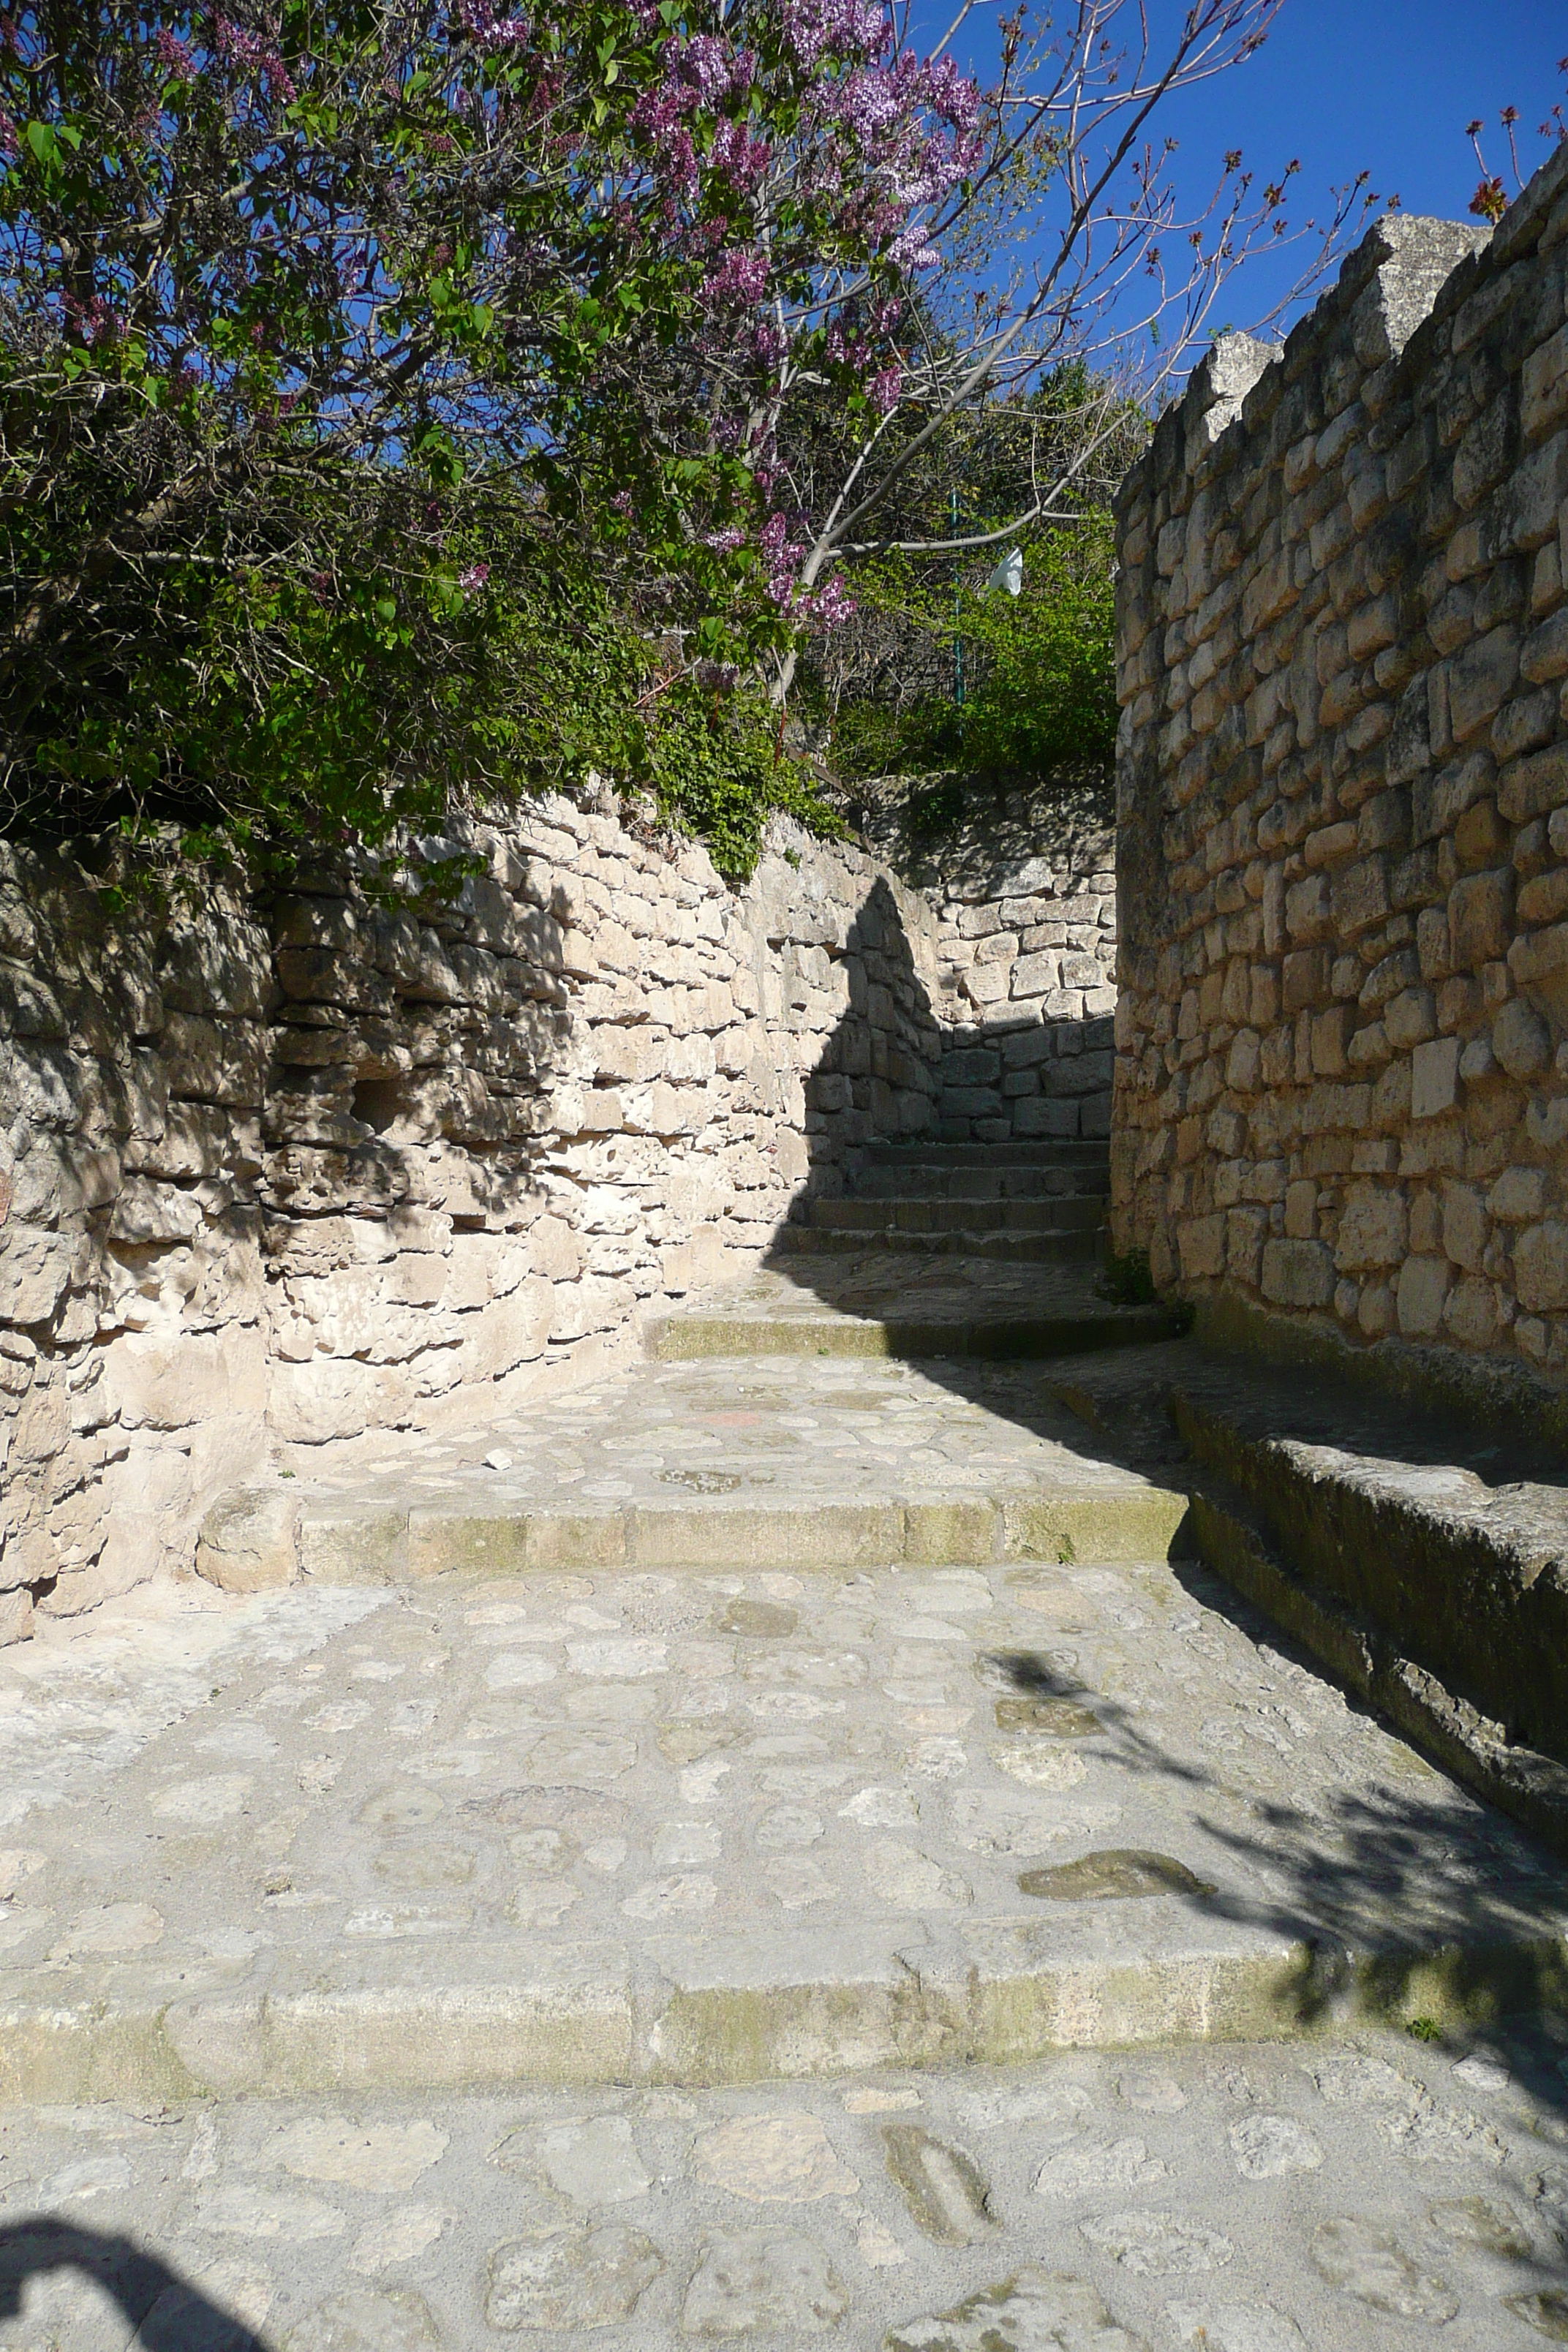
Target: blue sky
1385	86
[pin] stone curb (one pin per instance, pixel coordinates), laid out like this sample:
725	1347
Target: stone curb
356	1545
732	2010
684	1337
1532	1787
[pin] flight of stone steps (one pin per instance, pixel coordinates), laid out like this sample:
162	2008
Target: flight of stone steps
1015	1202
933	1249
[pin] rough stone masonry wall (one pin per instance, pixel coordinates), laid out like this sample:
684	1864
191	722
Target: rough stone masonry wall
1341	1087
270	1180
1026	886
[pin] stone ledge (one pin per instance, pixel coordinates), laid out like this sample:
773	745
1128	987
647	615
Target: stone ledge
346	1545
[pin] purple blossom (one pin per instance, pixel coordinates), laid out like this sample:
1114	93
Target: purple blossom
10	143
239	47
95	320
884	389
173	55
743	157
914	250
813	29
474	577
704	63
831	605
741	277
953	96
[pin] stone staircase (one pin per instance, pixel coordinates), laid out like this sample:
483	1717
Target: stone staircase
1019	1202
934	1249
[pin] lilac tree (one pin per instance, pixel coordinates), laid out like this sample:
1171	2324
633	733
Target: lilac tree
328	327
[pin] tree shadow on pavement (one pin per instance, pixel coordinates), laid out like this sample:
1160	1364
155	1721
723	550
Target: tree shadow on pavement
163	2312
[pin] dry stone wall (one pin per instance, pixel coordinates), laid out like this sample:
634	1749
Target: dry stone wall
1341	1085
270	1177
1024	882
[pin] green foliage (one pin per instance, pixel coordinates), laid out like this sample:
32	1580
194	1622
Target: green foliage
1127	1280
588	693
1042	664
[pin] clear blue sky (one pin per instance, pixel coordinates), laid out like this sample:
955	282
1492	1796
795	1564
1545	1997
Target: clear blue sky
1346	84
1387	86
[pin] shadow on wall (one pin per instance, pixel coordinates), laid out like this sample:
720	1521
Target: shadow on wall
1019	1077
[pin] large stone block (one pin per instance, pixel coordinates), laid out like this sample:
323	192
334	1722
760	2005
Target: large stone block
1424	1284
1373	1229
1434	1078
249	1541
1541	1267
1298	1273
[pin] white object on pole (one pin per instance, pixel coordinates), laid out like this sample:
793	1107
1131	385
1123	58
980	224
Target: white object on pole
1009	573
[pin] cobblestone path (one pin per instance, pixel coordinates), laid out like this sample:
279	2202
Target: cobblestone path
832	1877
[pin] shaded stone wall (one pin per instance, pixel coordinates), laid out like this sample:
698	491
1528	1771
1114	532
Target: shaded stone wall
1024	882
1342	1085
270	1177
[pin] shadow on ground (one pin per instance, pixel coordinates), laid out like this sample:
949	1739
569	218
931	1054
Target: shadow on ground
163	2312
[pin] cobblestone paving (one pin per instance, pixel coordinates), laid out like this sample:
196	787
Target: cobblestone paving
1369	2192
757	1428
615	1790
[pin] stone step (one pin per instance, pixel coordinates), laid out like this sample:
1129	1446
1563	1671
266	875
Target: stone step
919	1182
1052	1246
596	1827
895	1213
980	1173
1250	2197
1064	1152
1423	1560
910	1305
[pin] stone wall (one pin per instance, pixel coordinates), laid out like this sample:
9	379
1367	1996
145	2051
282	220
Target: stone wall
272	1177
1341	1082
1025	881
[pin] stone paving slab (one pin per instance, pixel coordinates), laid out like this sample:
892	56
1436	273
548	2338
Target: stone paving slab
714	1827
1373	2192
755	1463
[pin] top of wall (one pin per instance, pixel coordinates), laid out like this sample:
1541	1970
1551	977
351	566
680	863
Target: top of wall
1407	276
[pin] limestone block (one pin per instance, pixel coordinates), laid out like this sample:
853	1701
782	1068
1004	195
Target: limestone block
35	1270
1518	1196
1541	1267
1480	917
155	1381
1539	963
1298	1273
1534	786
1424	1284
1201	1246
331	1397
249	1540
1372	1229
509	1331
1434	1076
1520	1040
1410	1018
151	1213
